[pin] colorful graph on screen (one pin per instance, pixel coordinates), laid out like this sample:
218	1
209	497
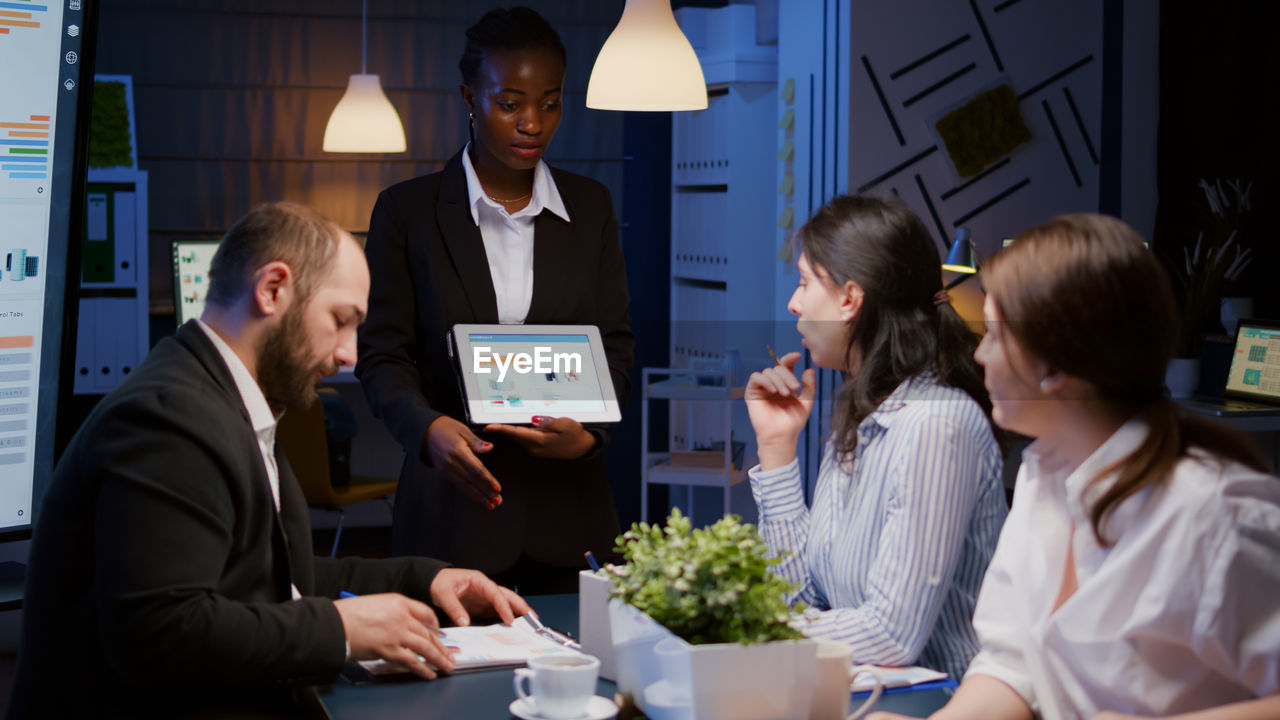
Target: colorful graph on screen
19	15
24	148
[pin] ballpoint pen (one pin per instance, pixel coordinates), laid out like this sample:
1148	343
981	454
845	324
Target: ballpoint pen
551	634
774	356
343	595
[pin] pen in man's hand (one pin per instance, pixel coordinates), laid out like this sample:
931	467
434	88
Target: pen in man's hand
343	595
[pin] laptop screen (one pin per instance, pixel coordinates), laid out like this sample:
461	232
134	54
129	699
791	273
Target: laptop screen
1255	361
191	260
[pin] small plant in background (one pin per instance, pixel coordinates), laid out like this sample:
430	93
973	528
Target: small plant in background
109	144
1210	267
709	585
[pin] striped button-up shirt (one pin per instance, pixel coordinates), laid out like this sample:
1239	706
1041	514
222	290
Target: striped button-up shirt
894	549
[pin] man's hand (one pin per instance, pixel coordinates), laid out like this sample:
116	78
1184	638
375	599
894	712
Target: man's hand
395	628
461	594
452	448
561	438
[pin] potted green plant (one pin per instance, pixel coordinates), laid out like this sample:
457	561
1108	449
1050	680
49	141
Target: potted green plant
738	654
1207	271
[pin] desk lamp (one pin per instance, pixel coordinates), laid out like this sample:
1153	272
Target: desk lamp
961	258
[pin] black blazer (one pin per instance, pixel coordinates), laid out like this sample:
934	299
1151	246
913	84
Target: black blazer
430	272
159	573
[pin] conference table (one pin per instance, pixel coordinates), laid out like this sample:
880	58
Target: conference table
487	694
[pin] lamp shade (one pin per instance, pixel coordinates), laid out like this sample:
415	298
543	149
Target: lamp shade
960	257
364	120
647	64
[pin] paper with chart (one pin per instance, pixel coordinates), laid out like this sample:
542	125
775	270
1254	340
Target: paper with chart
487	646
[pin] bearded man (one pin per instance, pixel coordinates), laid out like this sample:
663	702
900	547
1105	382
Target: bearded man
171	569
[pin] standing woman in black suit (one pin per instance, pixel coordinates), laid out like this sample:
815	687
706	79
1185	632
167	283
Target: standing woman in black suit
496	236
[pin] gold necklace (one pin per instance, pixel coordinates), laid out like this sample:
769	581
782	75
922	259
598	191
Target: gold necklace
500	200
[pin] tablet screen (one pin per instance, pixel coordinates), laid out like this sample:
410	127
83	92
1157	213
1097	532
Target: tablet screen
512	372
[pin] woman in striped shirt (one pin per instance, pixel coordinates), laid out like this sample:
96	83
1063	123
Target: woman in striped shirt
909	499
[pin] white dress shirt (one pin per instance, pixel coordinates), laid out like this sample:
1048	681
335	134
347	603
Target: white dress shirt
508	238
894	550
260	416
1180	614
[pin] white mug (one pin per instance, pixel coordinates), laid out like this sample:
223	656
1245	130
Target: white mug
831	694
562	685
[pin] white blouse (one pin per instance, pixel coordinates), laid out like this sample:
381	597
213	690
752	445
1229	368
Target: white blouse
508	237
1181	613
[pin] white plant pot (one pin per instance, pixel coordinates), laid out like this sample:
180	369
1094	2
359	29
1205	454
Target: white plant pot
1235	309
593	621
765	681
634	637
1182	377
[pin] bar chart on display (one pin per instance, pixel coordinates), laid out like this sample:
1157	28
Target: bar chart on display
29	32
41	42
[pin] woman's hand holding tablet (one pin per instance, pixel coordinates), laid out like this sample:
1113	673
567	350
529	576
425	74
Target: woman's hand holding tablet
550	437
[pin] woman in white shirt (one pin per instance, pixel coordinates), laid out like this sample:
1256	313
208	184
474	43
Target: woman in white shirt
1139	570
909	499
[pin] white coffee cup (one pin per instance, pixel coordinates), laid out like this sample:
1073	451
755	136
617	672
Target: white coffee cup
562	685
831	694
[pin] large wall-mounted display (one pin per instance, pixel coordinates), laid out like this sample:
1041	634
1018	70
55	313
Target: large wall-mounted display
46	49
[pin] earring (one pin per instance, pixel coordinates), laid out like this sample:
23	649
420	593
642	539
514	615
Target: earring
1044	385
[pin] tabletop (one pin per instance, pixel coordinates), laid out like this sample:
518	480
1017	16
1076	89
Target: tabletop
487	694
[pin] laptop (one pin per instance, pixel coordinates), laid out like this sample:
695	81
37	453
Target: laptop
1253	383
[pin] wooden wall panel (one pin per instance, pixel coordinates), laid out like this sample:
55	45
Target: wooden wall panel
232	97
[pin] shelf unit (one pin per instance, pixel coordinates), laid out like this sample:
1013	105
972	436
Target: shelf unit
113	328
690	468
723	162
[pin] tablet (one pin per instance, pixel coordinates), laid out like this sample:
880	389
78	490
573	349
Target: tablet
509	373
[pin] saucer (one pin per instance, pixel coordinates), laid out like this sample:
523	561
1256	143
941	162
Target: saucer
598	708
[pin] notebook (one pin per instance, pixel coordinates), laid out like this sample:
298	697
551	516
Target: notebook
481	647
1253	383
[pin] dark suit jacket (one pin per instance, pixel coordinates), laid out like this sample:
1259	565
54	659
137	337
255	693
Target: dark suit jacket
430	272
159	573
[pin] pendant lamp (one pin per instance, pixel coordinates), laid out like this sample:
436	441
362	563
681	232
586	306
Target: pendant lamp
647	64
364	120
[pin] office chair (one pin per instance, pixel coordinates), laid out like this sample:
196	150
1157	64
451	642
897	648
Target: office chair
301	436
